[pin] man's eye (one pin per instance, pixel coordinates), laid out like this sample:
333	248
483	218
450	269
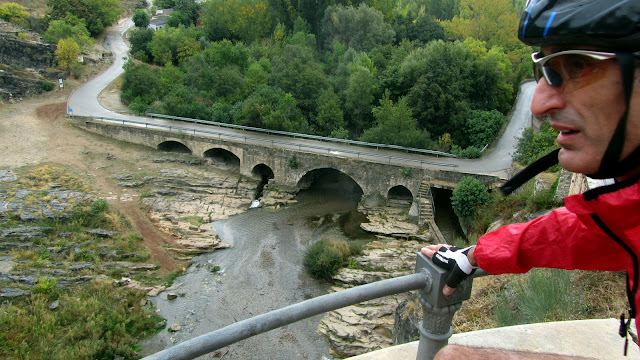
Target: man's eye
574	65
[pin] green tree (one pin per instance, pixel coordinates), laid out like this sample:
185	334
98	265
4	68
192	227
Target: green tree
174	45
439	98
386	7
224	53
467	196
162	47
298	72
359	96
258	106
164	4
181	101
169	76
482	127
96	13
141	18
257	74
253	22
70	27
189	8
246	20
13	13
395	125
425	29
139	40
228	83
187	48
67	54
286	116
362	28
330	116
533	145
442	9
492	21
141	84
218	18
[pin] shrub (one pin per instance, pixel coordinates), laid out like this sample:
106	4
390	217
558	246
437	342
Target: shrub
470	152
322	260
533	146
293	162
48	86
76	72
138	108
325	257
467	196
544	199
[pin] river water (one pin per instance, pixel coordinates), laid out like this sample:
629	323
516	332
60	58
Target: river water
262	271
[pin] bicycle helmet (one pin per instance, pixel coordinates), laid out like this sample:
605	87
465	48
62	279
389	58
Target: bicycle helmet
601	24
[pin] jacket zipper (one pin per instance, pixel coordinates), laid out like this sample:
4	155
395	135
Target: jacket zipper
631	291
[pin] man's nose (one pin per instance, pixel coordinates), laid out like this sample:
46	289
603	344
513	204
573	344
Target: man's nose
546	99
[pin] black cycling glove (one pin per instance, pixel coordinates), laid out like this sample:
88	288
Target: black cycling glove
454	260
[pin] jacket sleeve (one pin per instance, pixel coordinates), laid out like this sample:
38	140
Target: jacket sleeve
560	240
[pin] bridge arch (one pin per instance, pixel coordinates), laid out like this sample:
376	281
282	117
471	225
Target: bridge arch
223	157
262	171
332	181
174	146
399	195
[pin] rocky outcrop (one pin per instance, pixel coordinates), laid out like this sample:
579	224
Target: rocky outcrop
196	193
369	326
25	65
182	202
40	256
19	53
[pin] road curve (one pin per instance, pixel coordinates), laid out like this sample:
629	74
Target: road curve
84	102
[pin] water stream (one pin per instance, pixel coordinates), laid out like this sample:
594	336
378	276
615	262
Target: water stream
262	271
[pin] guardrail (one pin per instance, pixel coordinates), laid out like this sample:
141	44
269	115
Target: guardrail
435	328
247	139
303	136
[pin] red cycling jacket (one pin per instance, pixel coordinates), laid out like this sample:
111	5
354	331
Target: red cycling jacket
597	230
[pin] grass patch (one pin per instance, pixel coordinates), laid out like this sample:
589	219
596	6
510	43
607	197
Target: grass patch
193	220
42	177
539	296
95	321
169	279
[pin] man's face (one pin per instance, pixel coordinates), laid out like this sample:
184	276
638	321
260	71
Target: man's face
586	109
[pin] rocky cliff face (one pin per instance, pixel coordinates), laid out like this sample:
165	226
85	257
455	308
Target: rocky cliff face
24	65
19	53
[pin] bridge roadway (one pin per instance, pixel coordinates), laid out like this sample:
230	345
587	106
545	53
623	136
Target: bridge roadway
84	102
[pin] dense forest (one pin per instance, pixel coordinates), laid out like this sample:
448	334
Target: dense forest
417	73
436	74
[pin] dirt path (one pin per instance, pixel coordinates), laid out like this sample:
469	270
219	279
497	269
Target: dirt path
35	131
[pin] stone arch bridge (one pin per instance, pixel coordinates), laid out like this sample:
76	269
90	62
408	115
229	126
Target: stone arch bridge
378	183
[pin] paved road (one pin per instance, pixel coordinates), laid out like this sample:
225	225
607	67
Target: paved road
84	102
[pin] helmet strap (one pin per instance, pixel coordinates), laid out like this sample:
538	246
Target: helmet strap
611	164
530	171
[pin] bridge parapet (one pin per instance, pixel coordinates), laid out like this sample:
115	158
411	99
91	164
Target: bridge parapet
289	163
